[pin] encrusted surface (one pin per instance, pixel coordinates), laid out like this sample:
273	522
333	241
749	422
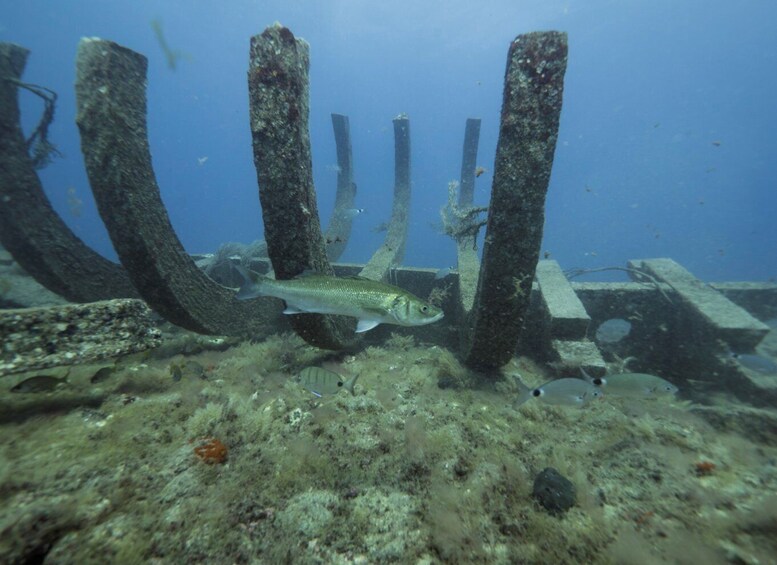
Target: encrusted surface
533	87
36	338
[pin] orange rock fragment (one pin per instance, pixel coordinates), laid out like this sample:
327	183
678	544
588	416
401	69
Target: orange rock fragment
211	451
704	468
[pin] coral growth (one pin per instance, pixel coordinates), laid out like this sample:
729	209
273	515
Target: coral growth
461	222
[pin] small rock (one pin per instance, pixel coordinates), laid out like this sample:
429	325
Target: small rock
554	492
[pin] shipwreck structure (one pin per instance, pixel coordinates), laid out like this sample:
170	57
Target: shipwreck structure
508	301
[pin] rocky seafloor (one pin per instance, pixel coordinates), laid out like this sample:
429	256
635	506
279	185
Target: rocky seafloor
221	457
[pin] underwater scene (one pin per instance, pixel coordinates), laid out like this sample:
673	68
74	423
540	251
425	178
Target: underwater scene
362	282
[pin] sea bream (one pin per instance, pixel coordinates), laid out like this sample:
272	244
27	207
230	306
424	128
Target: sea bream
322	381
371	302
635	385
562	392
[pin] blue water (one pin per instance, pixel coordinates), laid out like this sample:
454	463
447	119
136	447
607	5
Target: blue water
666	147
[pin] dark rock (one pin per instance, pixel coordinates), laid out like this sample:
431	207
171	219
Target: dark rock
35	529
553	491
462	467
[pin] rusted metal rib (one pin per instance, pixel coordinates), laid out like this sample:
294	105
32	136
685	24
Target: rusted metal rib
467	260
339	229
278	91
30	229
534	84
391	253
110	89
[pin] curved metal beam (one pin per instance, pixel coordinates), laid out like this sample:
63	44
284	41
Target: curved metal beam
467	260
391	253
30	229
111	97
339	229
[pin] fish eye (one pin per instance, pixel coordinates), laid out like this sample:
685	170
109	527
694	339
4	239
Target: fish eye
424	309
598	382
339	383
536	392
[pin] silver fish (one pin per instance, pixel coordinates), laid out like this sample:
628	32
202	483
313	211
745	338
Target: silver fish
757	363
639	385
352	212
372	302
321	381
40	383
102	374
563	392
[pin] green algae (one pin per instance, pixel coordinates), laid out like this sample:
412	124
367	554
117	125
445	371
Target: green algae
405	471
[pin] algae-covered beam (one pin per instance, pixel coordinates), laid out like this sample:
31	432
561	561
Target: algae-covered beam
531	106
37	338
469	161
279	109
390	254
467	260
111	99
30	229
564	324
339	229
707	312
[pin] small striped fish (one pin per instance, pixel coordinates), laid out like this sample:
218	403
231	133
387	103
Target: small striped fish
321	381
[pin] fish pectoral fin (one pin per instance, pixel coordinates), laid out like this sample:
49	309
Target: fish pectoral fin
293	310
366	325
247	293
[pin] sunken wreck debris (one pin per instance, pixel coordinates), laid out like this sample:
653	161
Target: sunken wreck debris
469	161
710	312
467	260
38	338
564	324
30	229
390	254
339	229
110	89
279	109
682	328
533	89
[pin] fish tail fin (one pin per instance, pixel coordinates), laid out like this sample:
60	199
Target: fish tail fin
524	394
251	286
350	384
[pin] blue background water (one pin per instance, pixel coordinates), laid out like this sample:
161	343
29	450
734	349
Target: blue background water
666	148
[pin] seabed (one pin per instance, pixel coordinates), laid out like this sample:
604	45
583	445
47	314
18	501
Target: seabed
187	454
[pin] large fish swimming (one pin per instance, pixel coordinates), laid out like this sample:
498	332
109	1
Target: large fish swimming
371	302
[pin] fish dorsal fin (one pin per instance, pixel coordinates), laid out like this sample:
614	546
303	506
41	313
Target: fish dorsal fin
310	273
